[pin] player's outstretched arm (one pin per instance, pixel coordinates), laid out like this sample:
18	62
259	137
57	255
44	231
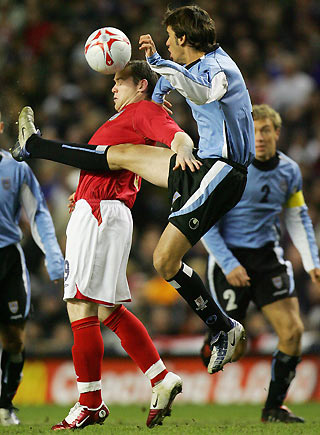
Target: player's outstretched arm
182	144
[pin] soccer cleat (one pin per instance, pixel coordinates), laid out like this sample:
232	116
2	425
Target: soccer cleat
205	351
26	129
8	417
80	416
281	414
163	394
223	346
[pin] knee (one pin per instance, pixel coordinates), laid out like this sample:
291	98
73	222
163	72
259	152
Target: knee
15	345
165	265
293	333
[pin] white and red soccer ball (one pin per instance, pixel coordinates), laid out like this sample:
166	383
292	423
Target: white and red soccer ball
107	50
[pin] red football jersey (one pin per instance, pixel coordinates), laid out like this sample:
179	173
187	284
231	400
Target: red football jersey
138	123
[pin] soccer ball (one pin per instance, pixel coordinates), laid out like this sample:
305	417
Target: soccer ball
107	50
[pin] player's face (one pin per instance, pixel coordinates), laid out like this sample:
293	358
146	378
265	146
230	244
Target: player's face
266	137
125	91
176	50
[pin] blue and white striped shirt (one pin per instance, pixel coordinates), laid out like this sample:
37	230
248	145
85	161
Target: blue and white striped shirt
216	92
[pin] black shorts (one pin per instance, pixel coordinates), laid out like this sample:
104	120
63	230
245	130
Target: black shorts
199	199
14	285
271	280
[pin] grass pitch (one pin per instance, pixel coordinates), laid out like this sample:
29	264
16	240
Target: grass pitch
185	419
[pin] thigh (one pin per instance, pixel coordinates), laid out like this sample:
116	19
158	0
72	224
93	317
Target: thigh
151	163
283	314
104	312
172	244
233	301
15	293
79	309
199	199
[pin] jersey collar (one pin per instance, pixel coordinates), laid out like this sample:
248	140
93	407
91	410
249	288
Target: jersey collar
268	165
190	65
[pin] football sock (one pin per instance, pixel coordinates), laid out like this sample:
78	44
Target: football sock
283	370
82	156
190	286
87	353
11	367
136	341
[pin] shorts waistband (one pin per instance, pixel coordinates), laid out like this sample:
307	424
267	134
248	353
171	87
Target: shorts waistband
241	168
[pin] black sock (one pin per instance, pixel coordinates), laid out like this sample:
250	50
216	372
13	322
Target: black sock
283	370
188	283
11	367
82	156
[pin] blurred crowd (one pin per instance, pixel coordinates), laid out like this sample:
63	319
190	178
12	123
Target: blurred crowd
276	44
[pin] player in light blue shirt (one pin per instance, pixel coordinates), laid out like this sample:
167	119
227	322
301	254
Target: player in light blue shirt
19	188
246	261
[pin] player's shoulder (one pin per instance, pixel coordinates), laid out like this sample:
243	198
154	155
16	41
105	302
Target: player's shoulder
10	162
289	168
147	106
286	161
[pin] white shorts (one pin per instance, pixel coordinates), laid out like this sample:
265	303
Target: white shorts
97	254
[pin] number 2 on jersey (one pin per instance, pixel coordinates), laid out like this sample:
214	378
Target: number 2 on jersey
230	296
266	189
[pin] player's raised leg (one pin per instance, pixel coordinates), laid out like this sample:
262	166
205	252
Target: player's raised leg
150	163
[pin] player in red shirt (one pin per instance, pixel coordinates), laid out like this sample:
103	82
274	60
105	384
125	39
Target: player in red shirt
99	237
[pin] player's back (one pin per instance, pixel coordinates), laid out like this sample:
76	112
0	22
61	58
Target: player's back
225	126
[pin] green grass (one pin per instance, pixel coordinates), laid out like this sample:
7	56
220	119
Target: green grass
185	419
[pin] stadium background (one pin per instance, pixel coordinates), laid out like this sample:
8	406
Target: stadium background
277	47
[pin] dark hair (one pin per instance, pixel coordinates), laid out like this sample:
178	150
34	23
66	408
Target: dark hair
139	70
195	23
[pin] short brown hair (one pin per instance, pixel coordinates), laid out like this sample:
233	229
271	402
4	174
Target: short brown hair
195	23
264	111
139	70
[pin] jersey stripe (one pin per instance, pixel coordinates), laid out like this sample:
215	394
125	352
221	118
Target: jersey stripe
25	278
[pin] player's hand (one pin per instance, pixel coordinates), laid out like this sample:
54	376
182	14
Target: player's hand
238	277
186	158
147	44
315	276
71	202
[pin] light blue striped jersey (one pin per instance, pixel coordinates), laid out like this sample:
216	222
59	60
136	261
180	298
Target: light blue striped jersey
272	187
216	92
19	187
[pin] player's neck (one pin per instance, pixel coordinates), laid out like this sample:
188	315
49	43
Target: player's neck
134	99
192	55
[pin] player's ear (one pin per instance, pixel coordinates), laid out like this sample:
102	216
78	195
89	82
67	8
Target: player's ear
143	85
1	126
182	40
